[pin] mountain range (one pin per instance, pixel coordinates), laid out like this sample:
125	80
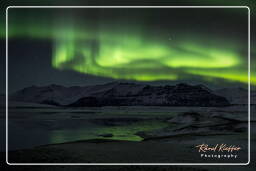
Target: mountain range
121	94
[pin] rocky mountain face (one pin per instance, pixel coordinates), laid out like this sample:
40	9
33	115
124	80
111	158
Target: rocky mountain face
121	94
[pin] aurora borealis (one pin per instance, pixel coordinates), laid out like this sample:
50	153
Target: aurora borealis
141	45
139	58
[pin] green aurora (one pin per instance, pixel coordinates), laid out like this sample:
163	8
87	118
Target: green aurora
134	52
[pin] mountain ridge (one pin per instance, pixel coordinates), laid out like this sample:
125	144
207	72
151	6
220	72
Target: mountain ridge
121	94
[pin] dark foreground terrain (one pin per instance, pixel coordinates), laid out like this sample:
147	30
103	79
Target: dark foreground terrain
172	140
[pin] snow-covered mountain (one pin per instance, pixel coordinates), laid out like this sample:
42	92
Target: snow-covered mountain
118	94
60	95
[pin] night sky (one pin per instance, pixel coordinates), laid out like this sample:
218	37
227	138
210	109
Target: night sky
95	46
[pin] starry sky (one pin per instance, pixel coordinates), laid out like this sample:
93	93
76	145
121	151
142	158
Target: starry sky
95	46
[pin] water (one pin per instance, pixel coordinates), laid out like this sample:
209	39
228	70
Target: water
30	127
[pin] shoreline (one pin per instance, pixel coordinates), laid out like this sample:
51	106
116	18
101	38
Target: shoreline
165	150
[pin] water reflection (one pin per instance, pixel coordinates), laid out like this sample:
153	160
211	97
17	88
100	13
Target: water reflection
34	128
123	132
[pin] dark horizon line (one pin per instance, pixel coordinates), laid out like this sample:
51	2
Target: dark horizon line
134	82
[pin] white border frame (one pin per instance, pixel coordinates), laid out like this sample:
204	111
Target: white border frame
9	7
